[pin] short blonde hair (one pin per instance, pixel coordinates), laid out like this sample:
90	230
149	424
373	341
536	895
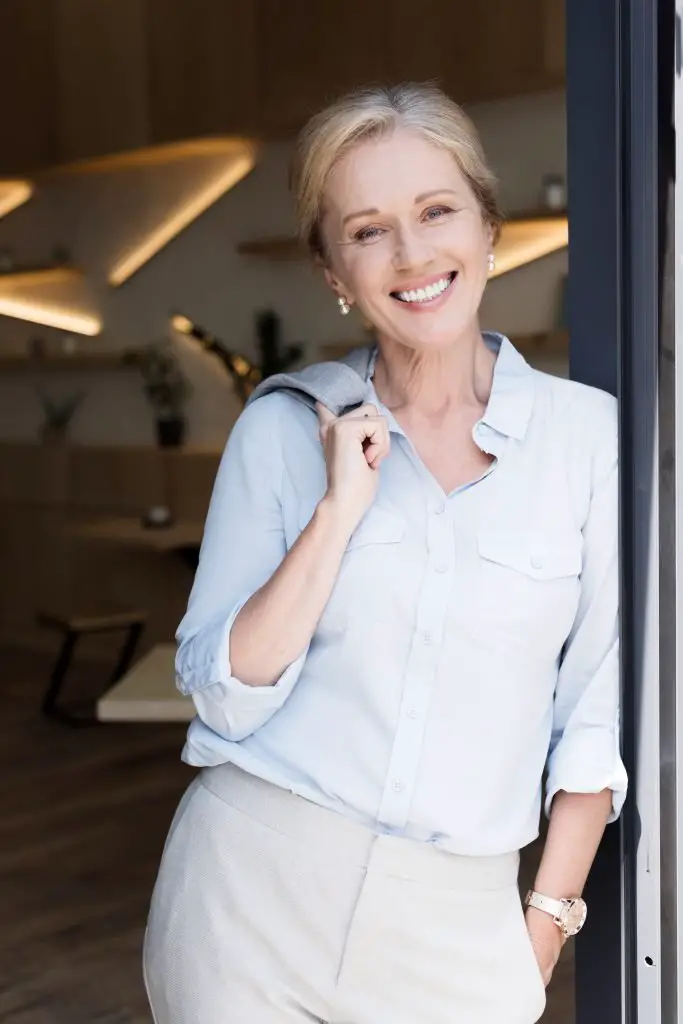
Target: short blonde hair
370	113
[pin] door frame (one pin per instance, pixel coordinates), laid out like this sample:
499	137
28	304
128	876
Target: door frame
620	76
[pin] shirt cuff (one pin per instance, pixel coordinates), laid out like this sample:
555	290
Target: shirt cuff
203	660
588	761
230	707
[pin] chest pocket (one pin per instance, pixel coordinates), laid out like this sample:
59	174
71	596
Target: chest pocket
528	587
543	557
369	581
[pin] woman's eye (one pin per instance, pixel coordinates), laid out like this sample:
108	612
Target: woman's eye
437	212
368	234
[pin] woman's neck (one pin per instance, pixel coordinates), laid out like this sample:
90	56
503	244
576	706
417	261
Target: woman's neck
429	385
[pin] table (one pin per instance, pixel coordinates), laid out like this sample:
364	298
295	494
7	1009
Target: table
147	693
183	536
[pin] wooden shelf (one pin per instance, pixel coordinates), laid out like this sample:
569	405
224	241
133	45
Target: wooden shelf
289	248
283	248
543	342
85	363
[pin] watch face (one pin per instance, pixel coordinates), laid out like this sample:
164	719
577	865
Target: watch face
574	916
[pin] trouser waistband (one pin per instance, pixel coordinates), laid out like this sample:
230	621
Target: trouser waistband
336	836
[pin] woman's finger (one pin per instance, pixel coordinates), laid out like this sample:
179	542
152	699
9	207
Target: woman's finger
325	417
376	446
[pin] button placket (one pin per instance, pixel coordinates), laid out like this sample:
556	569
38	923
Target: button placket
420	678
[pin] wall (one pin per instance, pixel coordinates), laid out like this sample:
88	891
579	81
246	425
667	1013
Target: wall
201	274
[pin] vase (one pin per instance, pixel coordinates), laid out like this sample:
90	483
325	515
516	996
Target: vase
170	431
51	434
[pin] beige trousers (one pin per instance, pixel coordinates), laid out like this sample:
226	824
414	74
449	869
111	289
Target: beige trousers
269	909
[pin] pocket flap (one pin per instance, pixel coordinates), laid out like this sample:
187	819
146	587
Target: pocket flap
543	556
379	526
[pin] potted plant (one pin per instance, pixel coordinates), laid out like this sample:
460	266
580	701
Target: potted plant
167	389
57	415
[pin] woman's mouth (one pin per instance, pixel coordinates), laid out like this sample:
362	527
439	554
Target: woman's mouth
428	295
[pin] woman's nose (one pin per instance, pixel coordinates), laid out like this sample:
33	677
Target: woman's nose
412	250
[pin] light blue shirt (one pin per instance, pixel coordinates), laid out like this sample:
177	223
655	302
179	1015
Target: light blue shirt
471	639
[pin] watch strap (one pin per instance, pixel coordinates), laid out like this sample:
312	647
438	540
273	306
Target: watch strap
545	903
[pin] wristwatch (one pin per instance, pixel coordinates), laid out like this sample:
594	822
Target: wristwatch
568	914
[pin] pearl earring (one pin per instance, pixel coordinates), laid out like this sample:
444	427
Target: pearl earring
492	261
344	307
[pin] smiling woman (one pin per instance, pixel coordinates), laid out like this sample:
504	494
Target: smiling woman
405	609
390	246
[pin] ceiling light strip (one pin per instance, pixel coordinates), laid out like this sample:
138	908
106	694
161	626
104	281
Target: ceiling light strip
14	194
50	316
180	219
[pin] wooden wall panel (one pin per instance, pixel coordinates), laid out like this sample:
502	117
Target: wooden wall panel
85	77
190	481
202	67
34	473
35	564
46	564
309	53
555	38
101	65
480	51
27	85
107	576
116	481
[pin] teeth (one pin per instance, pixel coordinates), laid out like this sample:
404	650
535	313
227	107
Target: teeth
425	294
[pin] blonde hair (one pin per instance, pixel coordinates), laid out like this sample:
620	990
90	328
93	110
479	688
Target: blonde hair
370	113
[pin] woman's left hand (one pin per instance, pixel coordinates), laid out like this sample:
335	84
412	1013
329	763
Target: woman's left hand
547	941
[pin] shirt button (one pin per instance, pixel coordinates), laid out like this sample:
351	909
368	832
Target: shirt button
441	567
412	713
397	786
439	508
427	638
537	561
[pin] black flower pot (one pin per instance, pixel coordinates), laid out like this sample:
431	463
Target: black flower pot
171	432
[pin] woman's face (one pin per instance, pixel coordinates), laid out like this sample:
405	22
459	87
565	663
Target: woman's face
406	240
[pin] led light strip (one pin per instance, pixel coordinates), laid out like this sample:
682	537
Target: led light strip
525	241
50	316
14	194
40	311
240	156
161	235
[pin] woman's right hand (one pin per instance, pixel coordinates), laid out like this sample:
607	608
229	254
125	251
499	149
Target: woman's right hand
354	445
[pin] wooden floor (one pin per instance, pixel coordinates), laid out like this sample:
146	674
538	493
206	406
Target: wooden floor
84	813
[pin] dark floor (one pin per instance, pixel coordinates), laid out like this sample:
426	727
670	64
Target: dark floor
84	813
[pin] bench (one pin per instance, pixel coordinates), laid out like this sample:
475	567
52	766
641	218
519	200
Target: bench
147	693
129	623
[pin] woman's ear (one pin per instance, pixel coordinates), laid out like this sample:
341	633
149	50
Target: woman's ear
332	281
337	287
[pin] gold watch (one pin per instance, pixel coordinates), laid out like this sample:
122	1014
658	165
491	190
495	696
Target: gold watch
568	914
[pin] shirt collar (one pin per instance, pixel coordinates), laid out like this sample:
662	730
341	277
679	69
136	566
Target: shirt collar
511	401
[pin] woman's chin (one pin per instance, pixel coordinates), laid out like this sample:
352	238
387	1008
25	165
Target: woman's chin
426	336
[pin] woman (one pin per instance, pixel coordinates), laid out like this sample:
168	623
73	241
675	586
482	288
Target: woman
404	604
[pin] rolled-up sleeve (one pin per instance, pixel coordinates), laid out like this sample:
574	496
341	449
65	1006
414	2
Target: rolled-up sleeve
243	545
585	747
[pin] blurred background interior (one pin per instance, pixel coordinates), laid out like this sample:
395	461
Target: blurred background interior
149	277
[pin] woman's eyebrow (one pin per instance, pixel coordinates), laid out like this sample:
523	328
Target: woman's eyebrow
435	192
373	211
361	213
